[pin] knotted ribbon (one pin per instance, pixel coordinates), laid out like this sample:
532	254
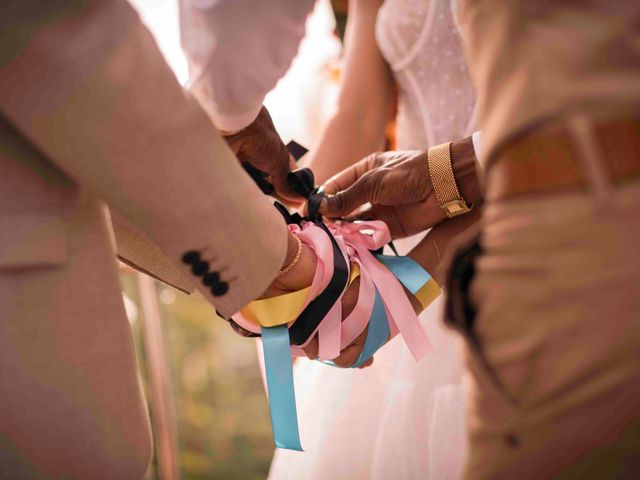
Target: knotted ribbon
289	322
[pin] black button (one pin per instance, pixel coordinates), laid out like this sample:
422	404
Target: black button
211	278
200	268
220	289
191	257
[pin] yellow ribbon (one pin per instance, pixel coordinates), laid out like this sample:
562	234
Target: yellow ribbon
274	311
428	293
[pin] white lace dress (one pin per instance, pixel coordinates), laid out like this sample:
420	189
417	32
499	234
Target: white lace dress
399	418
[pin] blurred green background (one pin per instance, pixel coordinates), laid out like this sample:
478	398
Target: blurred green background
222	418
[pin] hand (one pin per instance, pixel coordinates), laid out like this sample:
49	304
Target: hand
260	146
398	186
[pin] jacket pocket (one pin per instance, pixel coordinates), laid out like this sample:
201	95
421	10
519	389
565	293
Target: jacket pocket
32	240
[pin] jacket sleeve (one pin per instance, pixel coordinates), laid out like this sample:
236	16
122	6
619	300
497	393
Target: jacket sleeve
85	82
139	252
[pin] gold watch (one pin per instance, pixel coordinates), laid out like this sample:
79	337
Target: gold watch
444	182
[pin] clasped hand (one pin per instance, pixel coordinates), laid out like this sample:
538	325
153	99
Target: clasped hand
398	187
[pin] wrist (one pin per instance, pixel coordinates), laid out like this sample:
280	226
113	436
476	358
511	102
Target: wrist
464	162
294	249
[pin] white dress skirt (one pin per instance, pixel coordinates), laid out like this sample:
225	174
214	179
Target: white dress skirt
398	419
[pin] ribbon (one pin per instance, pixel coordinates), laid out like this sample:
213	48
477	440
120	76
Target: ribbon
301	332
289	322
378	332
415	278
366	236
279	310
282	400
260	177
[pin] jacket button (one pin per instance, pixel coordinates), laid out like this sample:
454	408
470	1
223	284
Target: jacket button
191	257
200	268
220	289
211	278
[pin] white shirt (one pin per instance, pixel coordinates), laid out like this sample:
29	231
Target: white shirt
237	51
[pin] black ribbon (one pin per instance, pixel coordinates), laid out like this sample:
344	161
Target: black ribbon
260	177
302	182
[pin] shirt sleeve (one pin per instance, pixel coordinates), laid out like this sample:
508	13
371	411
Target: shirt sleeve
237	50
476	138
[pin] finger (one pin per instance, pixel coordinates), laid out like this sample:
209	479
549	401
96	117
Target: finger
282	165
311	349
350	175
351	198
366	364
350	354
347	357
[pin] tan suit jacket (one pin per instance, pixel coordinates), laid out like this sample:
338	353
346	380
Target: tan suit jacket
93	120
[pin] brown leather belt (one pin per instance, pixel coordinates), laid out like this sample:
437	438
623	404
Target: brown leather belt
551	160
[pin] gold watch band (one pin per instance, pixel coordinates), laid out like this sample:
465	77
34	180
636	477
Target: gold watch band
444	181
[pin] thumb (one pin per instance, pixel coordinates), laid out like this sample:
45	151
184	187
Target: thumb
351	198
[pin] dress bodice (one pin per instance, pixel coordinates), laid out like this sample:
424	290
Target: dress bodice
421	42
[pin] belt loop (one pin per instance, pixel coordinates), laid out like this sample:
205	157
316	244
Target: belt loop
590	157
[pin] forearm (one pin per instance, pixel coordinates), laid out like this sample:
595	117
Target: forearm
358	125
347	138
432	249
120	125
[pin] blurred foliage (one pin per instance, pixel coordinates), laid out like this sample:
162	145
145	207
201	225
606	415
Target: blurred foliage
223	425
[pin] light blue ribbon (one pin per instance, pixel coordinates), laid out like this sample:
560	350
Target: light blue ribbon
277	353
413	277
282	400
408	271
378	332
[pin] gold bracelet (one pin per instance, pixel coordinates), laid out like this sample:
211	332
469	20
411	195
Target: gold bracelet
295	259
444	181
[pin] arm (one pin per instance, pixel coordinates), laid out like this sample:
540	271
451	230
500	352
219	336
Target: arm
357	128
399	187
237	50
84	81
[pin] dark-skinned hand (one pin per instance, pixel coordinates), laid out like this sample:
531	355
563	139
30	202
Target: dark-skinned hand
263	154
399	188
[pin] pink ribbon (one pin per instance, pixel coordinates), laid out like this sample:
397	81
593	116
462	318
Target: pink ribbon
356	240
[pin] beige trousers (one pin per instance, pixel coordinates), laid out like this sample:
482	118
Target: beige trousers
554	351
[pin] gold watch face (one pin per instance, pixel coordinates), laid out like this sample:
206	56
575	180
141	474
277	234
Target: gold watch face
455	208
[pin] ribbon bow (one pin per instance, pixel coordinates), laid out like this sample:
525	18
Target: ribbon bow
290	322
